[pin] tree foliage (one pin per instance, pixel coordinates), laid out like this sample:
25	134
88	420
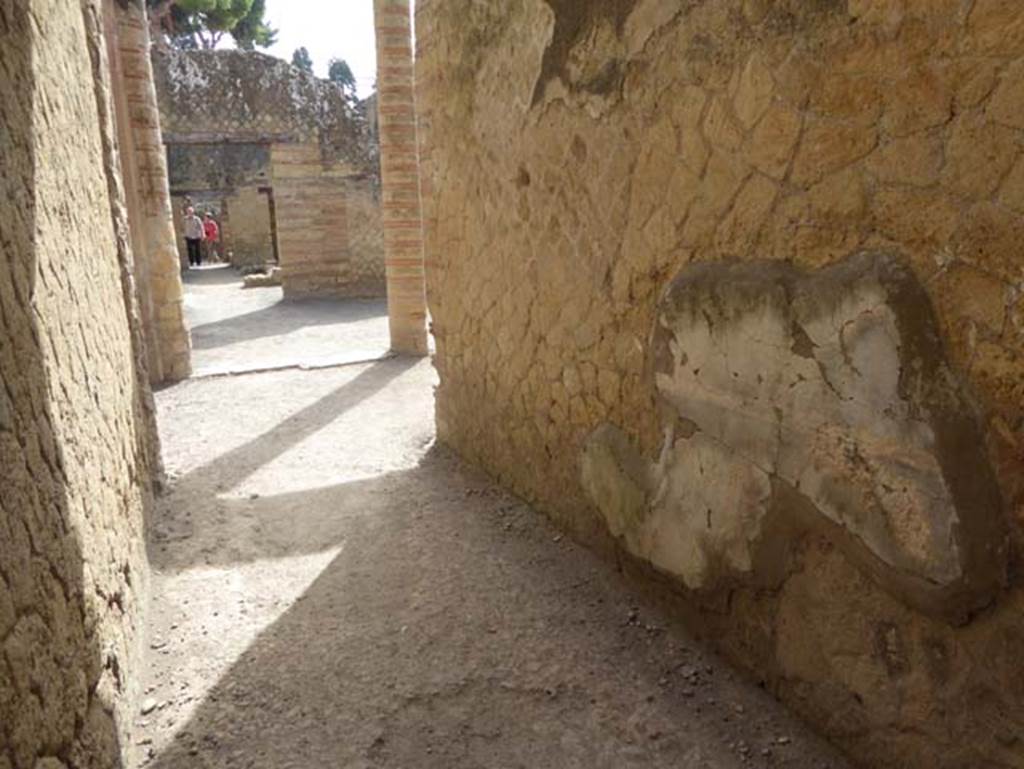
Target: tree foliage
204	23
339	72
302	60
252	30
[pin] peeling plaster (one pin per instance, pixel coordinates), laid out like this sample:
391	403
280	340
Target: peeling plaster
823	397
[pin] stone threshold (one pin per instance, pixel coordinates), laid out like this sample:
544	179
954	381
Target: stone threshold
325	362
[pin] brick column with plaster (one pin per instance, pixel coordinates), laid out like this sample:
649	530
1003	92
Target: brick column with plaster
400	178
144	164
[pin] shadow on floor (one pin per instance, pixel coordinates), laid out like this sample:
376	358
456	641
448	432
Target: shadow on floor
228	469
455	629
283	318
211	275
338	595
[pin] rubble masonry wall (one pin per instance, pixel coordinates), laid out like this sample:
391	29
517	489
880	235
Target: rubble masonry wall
577	158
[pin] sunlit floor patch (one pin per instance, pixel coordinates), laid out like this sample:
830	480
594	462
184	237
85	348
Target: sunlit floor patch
324	461
236	330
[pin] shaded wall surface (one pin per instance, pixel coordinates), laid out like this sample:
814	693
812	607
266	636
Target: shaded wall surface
737	289
75	447
287	163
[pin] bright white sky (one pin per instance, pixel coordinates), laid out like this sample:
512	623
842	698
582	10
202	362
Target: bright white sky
329	29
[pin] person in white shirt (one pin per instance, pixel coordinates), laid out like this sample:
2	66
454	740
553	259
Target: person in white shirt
194	237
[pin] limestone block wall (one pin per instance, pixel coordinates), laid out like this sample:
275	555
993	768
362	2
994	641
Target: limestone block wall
582	160
75	441
234	94
239	122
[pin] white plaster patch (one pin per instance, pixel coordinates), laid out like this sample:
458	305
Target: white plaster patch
778	378
708	511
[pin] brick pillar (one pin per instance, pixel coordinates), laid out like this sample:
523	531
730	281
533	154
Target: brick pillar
400	178
144	167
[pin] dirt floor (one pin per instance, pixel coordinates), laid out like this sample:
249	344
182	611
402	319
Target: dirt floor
333	589
236	329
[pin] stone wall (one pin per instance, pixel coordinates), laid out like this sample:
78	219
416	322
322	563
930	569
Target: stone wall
242	127
736	289
365	236
76	445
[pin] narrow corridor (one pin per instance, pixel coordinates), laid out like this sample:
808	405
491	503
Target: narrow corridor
739	283
333	589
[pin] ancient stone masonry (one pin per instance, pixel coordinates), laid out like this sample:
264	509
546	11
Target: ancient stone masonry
76	445
287	164
144	172
737	287
402	212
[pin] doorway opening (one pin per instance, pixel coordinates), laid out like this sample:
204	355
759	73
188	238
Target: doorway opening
289	166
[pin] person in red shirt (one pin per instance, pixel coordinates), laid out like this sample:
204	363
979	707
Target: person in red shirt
212	232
